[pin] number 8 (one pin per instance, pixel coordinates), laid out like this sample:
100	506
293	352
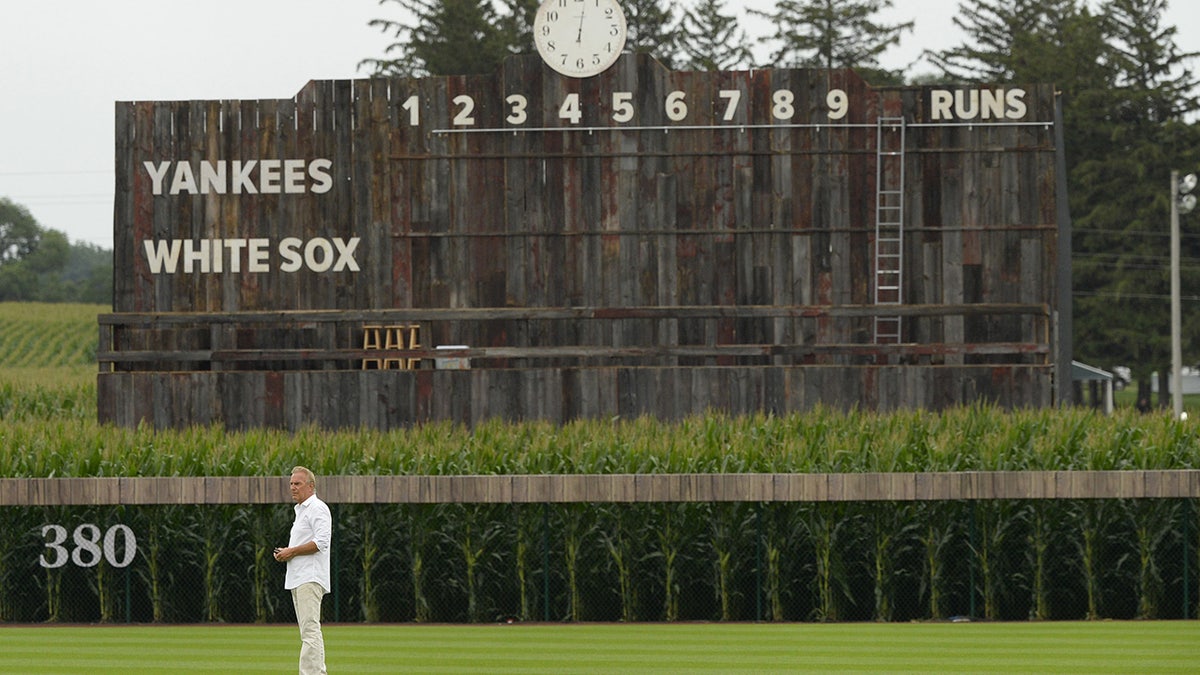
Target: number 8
785	107
87	542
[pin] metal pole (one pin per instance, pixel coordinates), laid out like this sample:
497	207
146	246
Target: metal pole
1187	557
129	596
1176	341
974	555
545	562
758	575
337	587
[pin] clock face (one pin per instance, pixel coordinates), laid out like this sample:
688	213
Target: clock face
579	38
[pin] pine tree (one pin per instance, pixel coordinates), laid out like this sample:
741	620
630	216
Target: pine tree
831	34
518	24
1129	137
446	37
996	31
711	39
1153	72
651	28
1125	87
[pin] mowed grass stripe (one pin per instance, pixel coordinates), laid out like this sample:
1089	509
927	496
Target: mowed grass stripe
1108	647
843	648
147	649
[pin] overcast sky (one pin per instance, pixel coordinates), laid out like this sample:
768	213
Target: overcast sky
63	64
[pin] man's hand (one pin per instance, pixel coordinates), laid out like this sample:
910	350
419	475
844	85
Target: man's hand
284	554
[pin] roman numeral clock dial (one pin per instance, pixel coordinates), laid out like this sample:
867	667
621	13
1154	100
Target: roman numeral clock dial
579	38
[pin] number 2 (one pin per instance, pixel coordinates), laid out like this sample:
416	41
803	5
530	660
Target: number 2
467	106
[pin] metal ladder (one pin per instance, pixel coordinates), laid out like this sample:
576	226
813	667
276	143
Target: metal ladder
889	224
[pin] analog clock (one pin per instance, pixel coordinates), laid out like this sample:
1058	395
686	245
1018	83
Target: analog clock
579	38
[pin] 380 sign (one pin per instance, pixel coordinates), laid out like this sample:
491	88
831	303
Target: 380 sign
87	547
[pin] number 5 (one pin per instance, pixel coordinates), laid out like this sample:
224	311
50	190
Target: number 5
622	106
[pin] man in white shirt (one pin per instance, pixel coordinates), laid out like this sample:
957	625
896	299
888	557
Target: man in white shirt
307	558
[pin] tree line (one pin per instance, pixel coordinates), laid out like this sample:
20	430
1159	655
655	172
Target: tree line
1130	102
1129	94
470	37
39	264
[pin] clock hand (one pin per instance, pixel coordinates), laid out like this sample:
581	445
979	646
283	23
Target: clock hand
579	35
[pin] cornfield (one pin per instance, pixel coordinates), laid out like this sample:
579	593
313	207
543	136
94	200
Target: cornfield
39	334
610	562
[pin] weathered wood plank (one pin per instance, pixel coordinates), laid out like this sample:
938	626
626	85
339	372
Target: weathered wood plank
492	231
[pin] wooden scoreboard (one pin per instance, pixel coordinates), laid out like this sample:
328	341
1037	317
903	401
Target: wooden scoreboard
533	245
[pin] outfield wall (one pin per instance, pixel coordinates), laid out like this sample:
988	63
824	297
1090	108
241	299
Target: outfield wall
1070	545
612	488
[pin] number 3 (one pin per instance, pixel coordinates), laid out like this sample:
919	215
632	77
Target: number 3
60	554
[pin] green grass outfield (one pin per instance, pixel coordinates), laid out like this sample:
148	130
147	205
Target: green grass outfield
1050	647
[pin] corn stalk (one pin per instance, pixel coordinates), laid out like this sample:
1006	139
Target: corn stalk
892	532
783	529
264	528
937	531
828	524
1091	517
726	538
151	549
996	523
1039	539
370	535
54	575
575	529
221	532
419	527
472	532
1153	524
524	543
619	541
670	536
11	532
53	588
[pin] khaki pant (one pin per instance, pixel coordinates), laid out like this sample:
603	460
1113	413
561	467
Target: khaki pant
306	598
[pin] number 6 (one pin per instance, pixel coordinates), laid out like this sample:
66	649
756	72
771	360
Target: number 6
677	109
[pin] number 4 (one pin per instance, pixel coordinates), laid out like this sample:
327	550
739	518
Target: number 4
570	110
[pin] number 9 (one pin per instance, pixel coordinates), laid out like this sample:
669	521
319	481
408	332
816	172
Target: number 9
839	104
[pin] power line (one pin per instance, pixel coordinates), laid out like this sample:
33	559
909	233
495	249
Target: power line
1131	296
81	172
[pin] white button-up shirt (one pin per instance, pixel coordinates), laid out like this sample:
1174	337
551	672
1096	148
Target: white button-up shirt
313	523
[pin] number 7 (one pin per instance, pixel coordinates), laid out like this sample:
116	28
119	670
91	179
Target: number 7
733	96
